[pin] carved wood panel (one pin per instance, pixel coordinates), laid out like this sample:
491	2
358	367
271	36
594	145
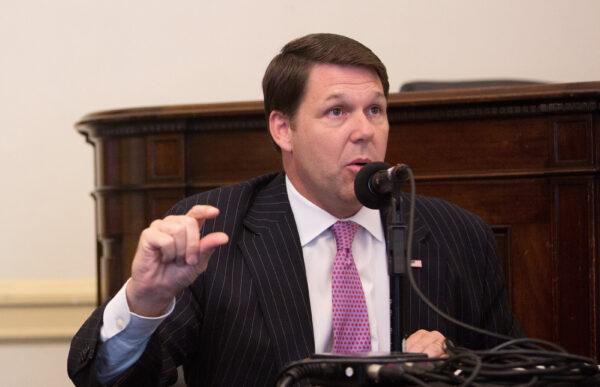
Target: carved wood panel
525	159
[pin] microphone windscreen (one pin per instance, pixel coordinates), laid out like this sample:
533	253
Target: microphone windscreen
362	185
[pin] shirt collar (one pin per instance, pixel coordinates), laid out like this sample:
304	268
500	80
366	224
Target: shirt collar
312	220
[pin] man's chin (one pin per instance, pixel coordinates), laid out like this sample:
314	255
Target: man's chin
351	205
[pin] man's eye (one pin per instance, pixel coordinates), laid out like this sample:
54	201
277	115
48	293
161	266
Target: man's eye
336	112
374	110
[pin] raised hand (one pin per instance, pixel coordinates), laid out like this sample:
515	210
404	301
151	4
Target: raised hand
169	257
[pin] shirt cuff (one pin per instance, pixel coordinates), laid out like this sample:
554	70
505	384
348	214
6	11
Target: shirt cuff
117	317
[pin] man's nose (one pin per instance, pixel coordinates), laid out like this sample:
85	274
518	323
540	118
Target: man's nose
362	127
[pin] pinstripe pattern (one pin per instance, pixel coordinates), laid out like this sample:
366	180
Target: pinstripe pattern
249	313
460	274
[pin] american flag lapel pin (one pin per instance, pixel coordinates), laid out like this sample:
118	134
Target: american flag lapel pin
416	263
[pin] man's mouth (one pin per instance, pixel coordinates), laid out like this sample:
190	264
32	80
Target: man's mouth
356	165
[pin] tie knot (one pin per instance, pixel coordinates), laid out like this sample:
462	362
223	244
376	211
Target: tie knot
344	231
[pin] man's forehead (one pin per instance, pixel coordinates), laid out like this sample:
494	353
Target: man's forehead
333	81
335	96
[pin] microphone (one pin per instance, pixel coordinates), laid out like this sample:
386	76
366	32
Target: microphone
375	181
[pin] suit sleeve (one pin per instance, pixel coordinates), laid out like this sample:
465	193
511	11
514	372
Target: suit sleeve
167	348
164	352
80	362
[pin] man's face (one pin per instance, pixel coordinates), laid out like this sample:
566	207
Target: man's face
340	125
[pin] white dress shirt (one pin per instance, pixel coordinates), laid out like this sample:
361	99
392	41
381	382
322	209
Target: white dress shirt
319	249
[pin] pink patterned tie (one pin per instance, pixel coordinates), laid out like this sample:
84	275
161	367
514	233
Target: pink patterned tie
351	331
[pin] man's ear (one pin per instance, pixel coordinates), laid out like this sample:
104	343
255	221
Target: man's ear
280	129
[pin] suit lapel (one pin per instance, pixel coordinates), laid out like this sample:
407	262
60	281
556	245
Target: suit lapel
271	247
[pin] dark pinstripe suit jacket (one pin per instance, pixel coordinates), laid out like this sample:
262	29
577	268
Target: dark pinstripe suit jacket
249	313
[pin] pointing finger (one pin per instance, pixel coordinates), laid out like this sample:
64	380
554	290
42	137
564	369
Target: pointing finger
202	212
193	240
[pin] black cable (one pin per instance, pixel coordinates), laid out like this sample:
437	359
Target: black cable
414	380
525	365
462	367
531	352
394	374
411	279
528	341
286	381
522	361
524	356
532	382
475	372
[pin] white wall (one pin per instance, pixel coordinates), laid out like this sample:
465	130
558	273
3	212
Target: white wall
62	59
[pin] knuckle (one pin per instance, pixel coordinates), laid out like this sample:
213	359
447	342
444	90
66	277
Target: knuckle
166	242
189	221
176	228
437	334
193	246
147	234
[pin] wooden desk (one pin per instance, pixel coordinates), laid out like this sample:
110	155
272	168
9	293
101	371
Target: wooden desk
526	159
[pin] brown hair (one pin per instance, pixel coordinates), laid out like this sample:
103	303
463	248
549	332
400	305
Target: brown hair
285	79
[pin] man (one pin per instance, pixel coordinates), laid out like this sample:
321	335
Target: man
272	291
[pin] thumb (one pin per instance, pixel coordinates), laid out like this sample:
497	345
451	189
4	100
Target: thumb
208	244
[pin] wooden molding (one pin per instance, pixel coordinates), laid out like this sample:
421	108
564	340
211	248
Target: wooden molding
454	104
526	159
44	309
